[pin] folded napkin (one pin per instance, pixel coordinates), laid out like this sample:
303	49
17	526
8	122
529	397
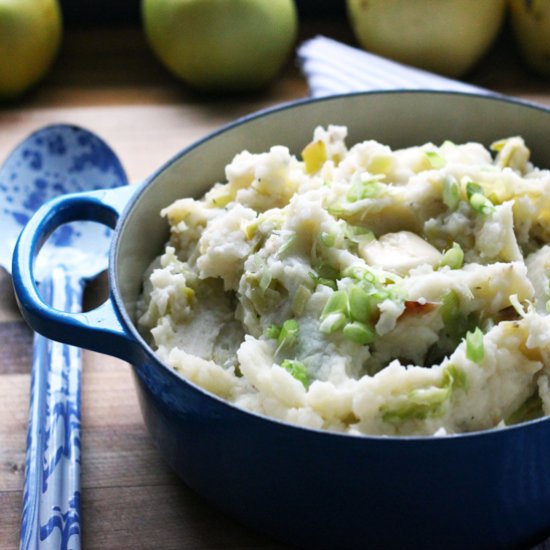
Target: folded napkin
331	67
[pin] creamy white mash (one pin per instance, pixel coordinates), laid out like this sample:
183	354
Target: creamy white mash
363	290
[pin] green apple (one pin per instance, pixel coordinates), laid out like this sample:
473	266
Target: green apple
30	34
222	45
531	24
444	36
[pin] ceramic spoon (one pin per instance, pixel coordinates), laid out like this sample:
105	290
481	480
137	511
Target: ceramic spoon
52	161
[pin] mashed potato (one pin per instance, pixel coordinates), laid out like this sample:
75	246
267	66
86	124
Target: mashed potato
363	290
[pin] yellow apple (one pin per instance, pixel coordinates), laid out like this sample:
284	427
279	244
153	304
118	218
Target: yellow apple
221	45
531	24
444	36
30	34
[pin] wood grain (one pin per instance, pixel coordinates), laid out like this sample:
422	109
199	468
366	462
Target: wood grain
108	81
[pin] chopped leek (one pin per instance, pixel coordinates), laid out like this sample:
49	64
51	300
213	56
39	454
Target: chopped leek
473	188
475	350
417	404
497	146
327	282
361	304
358	234
450	307
480	203
457	377
286	247
337	303
300	300
289	333
265	280
364	189
272	332
250	229
326	271
456	322
322	280
332	322
359	333
454	257
422	403
298	370
328	239
435	159
451	192
336	209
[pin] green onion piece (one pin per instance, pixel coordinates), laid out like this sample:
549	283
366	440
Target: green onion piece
361	304
451	192
475	350
286	246
328	239
435	159
454	257
332	322
480	203
337	303
272	332
359	333
473	188
289	334
300	300
298	370
548	306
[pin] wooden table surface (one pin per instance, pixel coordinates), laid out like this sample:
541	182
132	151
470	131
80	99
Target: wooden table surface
108	81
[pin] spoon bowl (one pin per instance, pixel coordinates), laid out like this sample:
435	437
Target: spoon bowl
53	161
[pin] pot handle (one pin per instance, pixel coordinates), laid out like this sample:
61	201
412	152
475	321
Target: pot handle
99	329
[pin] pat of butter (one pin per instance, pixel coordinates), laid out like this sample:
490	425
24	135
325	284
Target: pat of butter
399	252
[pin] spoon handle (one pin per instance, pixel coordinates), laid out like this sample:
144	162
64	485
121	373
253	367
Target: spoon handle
51	498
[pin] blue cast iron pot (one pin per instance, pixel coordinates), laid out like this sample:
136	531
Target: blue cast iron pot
306	487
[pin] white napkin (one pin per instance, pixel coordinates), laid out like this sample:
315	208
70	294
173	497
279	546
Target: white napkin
335	68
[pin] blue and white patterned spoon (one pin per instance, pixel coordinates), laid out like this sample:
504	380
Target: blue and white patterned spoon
52	161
